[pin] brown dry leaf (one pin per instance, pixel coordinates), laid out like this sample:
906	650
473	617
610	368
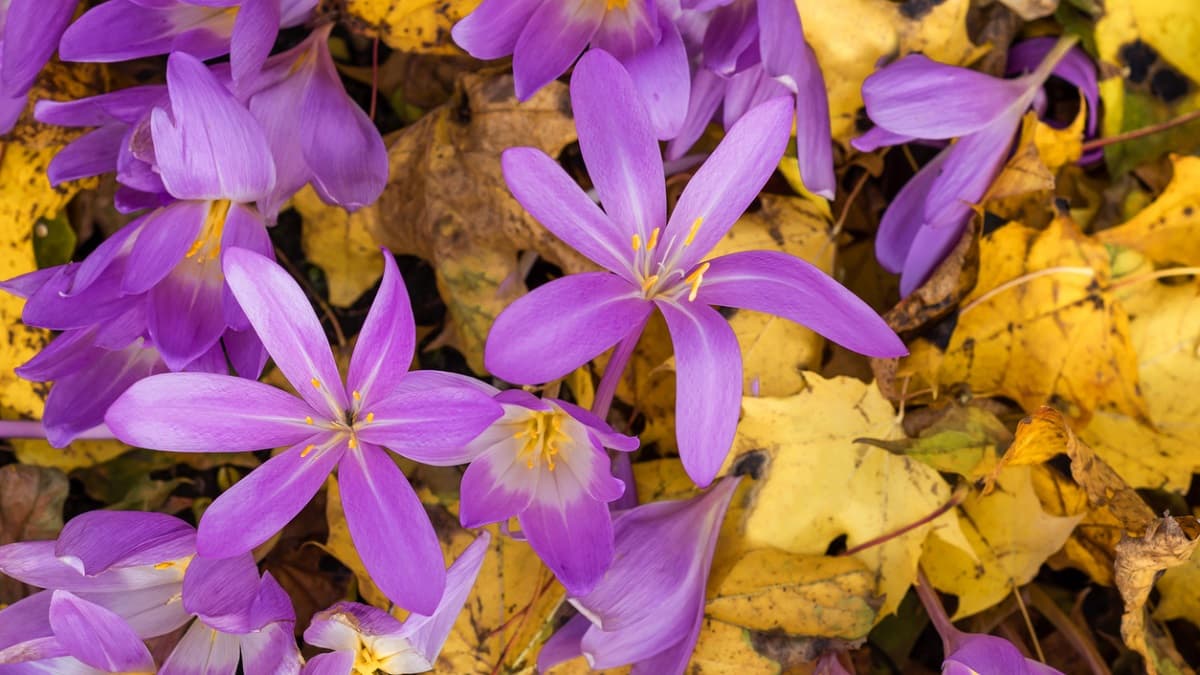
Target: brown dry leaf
1011	536
1168	230
447	201
1042	326
409	25
31	505
802	451
340	243
882	30
1167	543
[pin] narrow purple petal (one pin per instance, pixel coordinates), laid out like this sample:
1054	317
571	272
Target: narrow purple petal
259	505
95	541
92	154
78	402
165	237
254	32
730	179
904	215
627	31
814	149
428	634
209	146
491	31
330	663
32	29
708	390
272	604
707	90
495	487
731	32
244	228
97	636
919	97
552	39
126	105
185	314
618	143
663	79
203	651
432	426
391	530
221	591
202	412
786	286
562	325
571	534
65	354
246	353
560	205
600	429
564	645
271	650
284	320
878	137
120	30
25	619
385	345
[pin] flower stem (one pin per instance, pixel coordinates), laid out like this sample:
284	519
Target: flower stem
34	429
937	613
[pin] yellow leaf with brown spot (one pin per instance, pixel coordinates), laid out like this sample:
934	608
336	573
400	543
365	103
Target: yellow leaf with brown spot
340	243
1041	327
1168	230
421	26
814	483
1011	536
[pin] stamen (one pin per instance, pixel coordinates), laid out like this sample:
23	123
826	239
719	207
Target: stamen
308	419
316	383
694	280
692	232
370	417
307	449
357	396
164	565
352	443
208	243
648	282
637	242
653	239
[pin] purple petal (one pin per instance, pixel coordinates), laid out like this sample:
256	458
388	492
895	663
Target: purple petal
731	31
627	31
271	650
564	645
349	168
271	604
428	634
150	610
552	39
71	351
186	314
95	541
878	137
618	143
31	33
904	216
432	426
495	487
25	619
203	651
262	503
491	31
391	530
330	663
221	591
987	654
918	97
707	90
571	534
246	353
591	312
599	428
126	105
786	286
254	32
120	30
92	154
244	228
385	345
11	108
558	203
289	329
747	89
708	390
164	239
79	401
29	283
814	150
202	412
97	636
209	146
663	79
730	179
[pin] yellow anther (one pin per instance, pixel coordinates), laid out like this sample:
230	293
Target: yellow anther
692	232
543	433
164	565
653	240
307	450
648	282
637	242
352	443
370	417
316	383
694	279
308	419
610	5
208	243
357	396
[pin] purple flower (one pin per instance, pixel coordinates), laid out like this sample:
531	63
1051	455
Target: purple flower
919	98
544	462
365	639
546	36
29	33
974	653
753	51
1075	67
141	577
317	133
119	30
656	263
328	425
648	608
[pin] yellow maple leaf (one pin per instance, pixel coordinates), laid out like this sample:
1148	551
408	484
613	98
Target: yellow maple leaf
340	243
421	26
1168	230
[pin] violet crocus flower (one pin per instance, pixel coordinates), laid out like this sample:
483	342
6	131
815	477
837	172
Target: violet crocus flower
652	263
142	570
328	425
120	30
366	639
753	51
318	134
1075	67
546	36
544	462
919	98
29	33
648	608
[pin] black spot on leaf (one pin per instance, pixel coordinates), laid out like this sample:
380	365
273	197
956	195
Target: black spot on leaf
1139	56
915	9
1169	85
